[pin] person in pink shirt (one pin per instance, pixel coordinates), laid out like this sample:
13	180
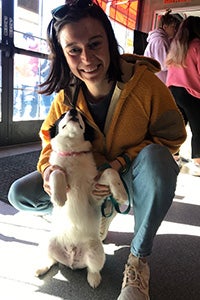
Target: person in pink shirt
183	79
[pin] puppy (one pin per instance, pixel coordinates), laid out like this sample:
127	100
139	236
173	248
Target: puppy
75	240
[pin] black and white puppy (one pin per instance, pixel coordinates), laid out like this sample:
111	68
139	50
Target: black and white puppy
75	239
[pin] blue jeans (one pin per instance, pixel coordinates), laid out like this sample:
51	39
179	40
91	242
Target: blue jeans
151	182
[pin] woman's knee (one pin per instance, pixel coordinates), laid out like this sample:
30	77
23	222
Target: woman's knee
25	188
154	151
15	191
155	155
156	163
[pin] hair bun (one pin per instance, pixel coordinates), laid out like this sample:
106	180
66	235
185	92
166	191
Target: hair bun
168	11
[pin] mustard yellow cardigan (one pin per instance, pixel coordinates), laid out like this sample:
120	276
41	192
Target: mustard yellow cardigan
142	111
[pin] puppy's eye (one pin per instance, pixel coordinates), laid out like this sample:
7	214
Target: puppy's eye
63	126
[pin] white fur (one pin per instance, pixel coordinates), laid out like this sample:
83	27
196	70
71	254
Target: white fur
74	240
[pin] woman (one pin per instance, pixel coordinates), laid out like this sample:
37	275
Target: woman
136	126
159	41
183	79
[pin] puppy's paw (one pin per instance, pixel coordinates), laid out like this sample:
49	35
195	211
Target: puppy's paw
112	178
119	192
58	185
44	261
94	279
41	271
58	198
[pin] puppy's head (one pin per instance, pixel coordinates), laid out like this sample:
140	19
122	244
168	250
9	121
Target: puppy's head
71	124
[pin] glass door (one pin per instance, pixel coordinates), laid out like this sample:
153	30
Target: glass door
24	64
0	61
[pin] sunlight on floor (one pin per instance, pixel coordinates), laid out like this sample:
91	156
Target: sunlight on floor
123	223
60	276
176	228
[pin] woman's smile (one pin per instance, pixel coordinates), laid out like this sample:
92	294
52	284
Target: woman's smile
89	70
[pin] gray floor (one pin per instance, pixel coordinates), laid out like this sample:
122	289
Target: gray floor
175	266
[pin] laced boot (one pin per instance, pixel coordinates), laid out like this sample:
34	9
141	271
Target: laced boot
136	280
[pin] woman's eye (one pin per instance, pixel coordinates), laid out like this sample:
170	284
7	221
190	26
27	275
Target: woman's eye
94	45
74	51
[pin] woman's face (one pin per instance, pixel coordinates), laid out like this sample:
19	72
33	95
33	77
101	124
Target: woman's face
170	30
85	46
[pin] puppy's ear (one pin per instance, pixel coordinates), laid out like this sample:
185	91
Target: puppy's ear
53	130
89	132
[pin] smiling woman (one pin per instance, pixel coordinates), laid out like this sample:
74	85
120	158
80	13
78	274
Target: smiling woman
134	133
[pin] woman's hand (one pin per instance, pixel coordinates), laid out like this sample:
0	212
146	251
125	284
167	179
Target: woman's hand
100	190
46	176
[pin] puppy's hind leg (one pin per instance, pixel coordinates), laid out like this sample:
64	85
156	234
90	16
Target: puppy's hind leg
111	177
95	259
45	259
58	184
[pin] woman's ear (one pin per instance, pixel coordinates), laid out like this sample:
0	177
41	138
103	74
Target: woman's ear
164	27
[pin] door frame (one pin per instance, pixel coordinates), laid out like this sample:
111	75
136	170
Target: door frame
13	132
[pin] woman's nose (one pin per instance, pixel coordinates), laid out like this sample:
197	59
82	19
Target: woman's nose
86	55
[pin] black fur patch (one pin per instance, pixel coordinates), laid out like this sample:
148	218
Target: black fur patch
53	130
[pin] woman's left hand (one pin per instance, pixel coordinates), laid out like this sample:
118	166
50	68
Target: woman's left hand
101	190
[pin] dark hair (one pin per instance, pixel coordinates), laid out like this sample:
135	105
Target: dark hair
189	29
60	75
168	18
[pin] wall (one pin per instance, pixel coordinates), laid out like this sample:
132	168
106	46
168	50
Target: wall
150	6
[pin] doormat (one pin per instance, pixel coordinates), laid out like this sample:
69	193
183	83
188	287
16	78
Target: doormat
14	167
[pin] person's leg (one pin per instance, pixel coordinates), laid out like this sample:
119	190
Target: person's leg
179	97
27	194
191	107
192	110
154	183
154	176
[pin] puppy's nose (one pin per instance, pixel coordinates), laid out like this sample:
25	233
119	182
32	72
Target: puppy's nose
73	112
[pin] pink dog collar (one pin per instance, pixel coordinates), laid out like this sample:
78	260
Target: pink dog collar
72	153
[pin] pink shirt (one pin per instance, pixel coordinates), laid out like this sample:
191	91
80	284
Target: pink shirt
189	77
